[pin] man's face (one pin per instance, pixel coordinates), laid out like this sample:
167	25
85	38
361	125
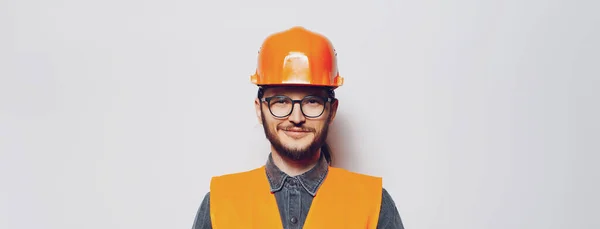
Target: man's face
295	136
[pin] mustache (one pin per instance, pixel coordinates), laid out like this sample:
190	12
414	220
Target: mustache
296	128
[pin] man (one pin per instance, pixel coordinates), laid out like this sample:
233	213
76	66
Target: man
297	187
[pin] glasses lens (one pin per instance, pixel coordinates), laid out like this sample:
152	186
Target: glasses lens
313	106
280	105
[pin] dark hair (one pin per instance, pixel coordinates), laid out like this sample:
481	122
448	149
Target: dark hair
325	149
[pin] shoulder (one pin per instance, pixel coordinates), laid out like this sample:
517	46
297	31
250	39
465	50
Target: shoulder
386	199
202	219
389	216
227	185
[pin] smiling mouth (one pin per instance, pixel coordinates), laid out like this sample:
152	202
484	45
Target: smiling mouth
295	133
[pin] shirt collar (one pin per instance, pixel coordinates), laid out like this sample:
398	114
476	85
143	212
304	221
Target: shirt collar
310	180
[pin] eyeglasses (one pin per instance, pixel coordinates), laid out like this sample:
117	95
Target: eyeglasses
281	106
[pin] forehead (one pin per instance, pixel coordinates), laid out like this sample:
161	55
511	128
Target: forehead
296	91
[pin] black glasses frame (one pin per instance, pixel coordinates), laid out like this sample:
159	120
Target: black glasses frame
268	101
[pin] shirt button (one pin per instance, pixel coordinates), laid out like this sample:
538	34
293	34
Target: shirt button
294	220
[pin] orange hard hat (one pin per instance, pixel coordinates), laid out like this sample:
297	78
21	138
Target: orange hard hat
297	56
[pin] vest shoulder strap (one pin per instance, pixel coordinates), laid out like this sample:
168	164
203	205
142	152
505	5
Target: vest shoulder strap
346	200
243	200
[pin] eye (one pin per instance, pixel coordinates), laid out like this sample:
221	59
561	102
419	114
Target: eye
279	100
313	101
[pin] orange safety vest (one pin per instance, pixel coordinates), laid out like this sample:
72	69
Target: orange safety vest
344	200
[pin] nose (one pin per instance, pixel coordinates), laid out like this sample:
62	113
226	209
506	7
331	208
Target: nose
296	116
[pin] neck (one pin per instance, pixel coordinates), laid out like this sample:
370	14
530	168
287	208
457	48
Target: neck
291	167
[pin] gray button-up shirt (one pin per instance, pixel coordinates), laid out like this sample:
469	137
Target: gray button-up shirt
294	196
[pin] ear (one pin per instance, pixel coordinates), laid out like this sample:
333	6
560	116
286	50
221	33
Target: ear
334	107
257	107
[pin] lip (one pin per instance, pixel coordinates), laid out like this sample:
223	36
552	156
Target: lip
295	133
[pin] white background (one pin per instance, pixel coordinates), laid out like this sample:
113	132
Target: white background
478	114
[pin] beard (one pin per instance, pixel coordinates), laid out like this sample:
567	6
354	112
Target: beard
297	154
